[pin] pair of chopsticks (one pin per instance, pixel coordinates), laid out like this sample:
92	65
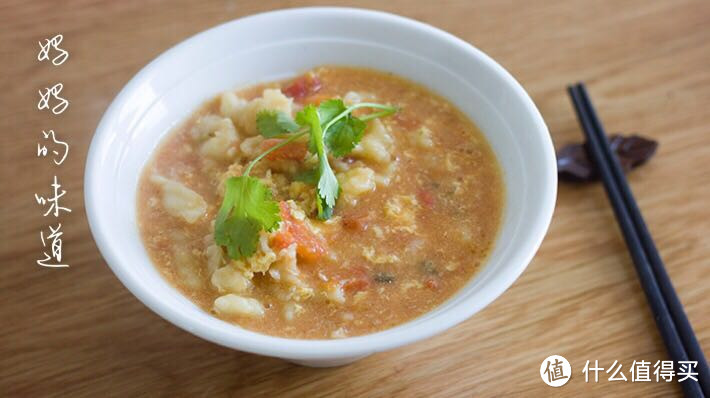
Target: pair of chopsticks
674	327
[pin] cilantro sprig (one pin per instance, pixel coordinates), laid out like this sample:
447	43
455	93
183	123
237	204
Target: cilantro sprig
248	206
247	209
327	189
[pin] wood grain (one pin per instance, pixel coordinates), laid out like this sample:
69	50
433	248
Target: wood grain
79	332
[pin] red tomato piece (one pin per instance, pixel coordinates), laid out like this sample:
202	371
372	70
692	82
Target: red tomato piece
426	198
302	87
356	285
432	284
357	280
292	151
355	223
309	246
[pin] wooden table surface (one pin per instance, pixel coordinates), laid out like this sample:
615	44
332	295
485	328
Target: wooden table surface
79	332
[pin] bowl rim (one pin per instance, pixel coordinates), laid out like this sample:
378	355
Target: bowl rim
307	349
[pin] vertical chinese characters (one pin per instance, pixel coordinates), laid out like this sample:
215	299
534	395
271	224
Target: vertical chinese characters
50	98
54	207
60	55
60	104
55	246
63	146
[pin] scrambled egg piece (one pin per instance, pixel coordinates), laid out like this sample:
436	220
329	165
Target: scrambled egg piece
401	210
292	310
334	292
285	271
423	137
303	194
369	254
261	260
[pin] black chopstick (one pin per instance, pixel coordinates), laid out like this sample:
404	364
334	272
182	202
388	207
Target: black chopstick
685	330
664	303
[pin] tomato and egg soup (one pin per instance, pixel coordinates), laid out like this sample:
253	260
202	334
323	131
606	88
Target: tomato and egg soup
342	202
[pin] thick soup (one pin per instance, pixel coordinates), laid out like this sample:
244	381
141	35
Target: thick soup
342	202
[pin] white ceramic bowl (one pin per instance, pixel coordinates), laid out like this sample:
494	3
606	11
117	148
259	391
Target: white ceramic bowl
280	44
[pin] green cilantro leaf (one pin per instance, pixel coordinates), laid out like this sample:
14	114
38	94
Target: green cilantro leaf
311	177
241	237
272	123
325	212
328	187
247	208
328	110
344	131
328	190
344	135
